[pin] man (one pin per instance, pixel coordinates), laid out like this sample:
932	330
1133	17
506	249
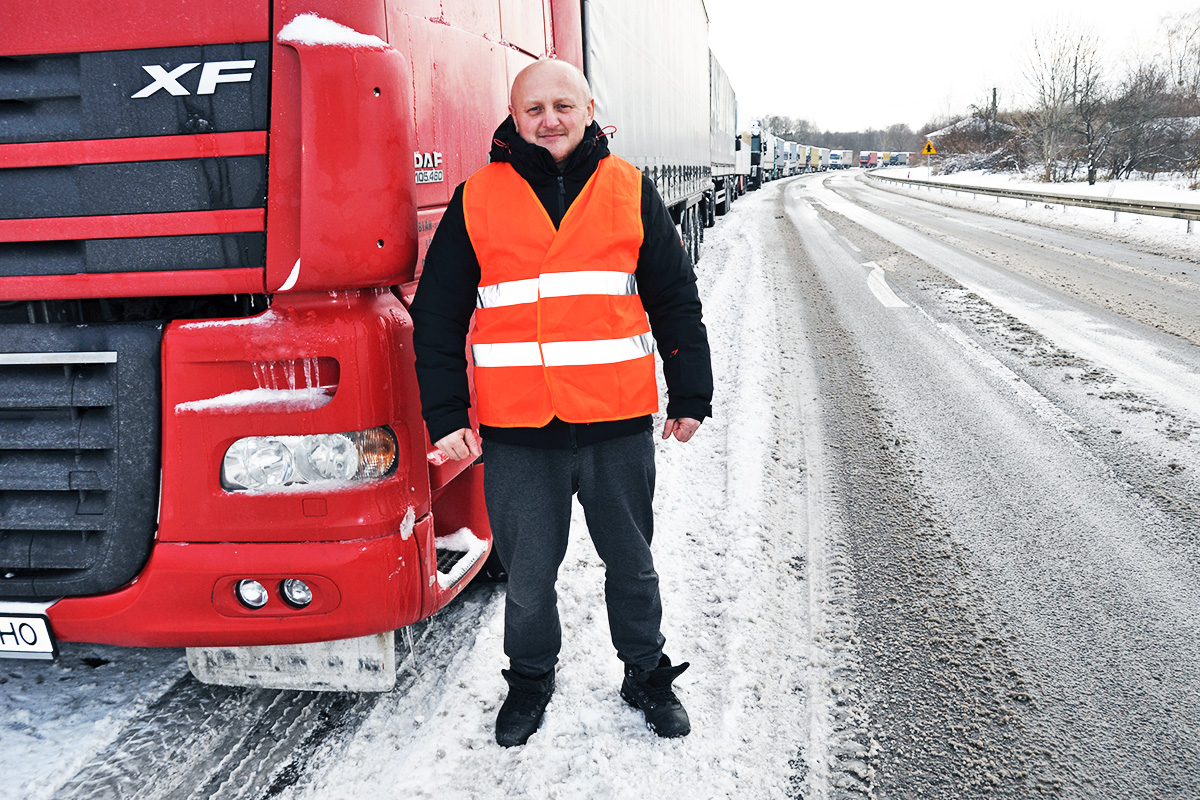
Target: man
561	251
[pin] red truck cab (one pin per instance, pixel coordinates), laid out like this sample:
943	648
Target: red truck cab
212	215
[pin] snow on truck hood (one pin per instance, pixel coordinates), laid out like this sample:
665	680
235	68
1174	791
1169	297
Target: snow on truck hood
316	30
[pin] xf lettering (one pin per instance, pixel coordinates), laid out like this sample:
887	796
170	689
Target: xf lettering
212	73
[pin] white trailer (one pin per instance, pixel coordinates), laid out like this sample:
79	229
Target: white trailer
648	63
724	142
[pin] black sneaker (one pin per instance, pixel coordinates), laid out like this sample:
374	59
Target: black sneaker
522	711
650	690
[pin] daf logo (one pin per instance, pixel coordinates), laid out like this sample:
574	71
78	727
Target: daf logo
427	160
212	73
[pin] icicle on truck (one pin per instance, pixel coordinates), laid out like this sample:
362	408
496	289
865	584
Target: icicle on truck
212	215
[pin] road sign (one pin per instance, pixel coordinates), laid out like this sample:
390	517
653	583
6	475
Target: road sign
929	150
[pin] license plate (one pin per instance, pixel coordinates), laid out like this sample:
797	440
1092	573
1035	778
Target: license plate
24	636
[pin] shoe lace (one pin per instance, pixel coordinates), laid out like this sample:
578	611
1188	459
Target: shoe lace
662	695
658	685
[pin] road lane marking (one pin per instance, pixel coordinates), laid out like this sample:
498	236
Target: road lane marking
1041	405
877	283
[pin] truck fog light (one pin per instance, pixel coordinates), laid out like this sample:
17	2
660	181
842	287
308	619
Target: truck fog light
296	592
252	594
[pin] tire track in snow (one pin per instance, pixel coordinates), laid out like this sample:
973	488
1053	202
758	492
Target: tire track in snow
777	500
202	741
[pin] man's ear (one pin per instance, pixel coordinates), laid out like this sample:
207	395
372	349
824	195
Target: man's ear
591	111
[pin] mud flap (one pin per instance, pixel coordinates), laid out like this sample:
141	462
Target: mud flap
365	664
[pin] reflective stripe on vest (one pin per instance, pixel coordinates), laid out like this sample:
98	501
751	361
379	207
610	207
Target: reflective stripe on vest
555	284
559	328
562	354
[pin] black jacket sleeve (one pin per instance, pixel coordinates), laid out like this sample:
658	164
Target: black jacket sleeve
441	312
667	285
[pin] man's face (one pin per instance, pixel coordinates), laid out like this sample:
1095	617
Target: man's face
551	107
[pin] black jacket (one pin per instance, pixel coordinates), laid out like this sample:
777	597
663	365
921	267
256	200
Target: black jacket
445	301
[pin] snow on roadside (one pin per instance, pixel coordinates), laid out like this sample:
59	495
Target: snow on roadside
1161	235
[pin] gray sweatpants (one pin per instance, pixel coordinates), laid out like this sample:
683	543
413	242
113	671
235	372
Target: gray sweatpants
528	492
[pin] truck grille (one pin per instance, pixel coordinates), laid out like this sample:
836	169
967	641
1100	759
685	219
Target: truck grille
82	156
79	466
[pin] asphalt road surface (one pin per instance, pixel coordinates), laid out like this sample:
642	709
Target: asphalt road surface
1013	412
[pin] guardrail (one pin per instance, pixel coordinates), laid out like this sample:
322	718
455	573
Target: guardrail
1185	211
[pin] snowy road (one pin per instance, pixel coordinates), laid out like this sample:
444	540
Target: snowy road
938	541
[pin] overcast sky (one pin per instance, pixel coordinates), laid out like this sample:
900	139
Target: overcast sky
850	66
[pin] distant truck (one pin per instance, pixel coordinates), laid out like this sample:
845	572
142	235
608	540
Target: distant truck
769	144
841	159
762	155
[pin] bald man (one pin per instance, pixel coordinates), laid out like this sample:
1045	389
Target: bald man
566	265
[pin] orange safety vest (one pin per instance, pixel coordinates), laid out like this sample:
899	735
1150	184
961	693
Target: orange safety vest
559	328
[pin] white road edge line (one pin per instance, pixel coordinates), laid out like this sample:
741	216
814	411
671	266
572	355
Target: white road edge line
1041	405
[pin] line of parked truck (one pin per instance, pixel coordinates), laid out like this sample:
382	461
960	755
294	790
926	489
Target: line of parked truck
773	157
869	159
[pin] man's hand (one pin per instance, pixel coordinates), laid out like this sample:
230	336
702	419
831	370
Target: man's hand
682	428
463	443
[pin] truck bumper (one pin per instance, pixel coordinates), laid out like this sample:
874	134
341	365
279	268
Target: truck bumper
185	595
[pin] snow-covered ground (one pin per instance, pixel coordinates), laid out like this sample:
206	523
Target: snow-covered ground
55	716
1162	235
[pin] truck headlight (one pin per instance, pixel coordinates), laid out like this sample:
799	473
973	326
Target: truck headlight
262	463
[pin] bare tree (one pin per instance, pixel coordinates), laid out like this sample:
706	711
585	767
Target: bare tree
1049	75
1137	113
900	138
1089	103
1183	52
